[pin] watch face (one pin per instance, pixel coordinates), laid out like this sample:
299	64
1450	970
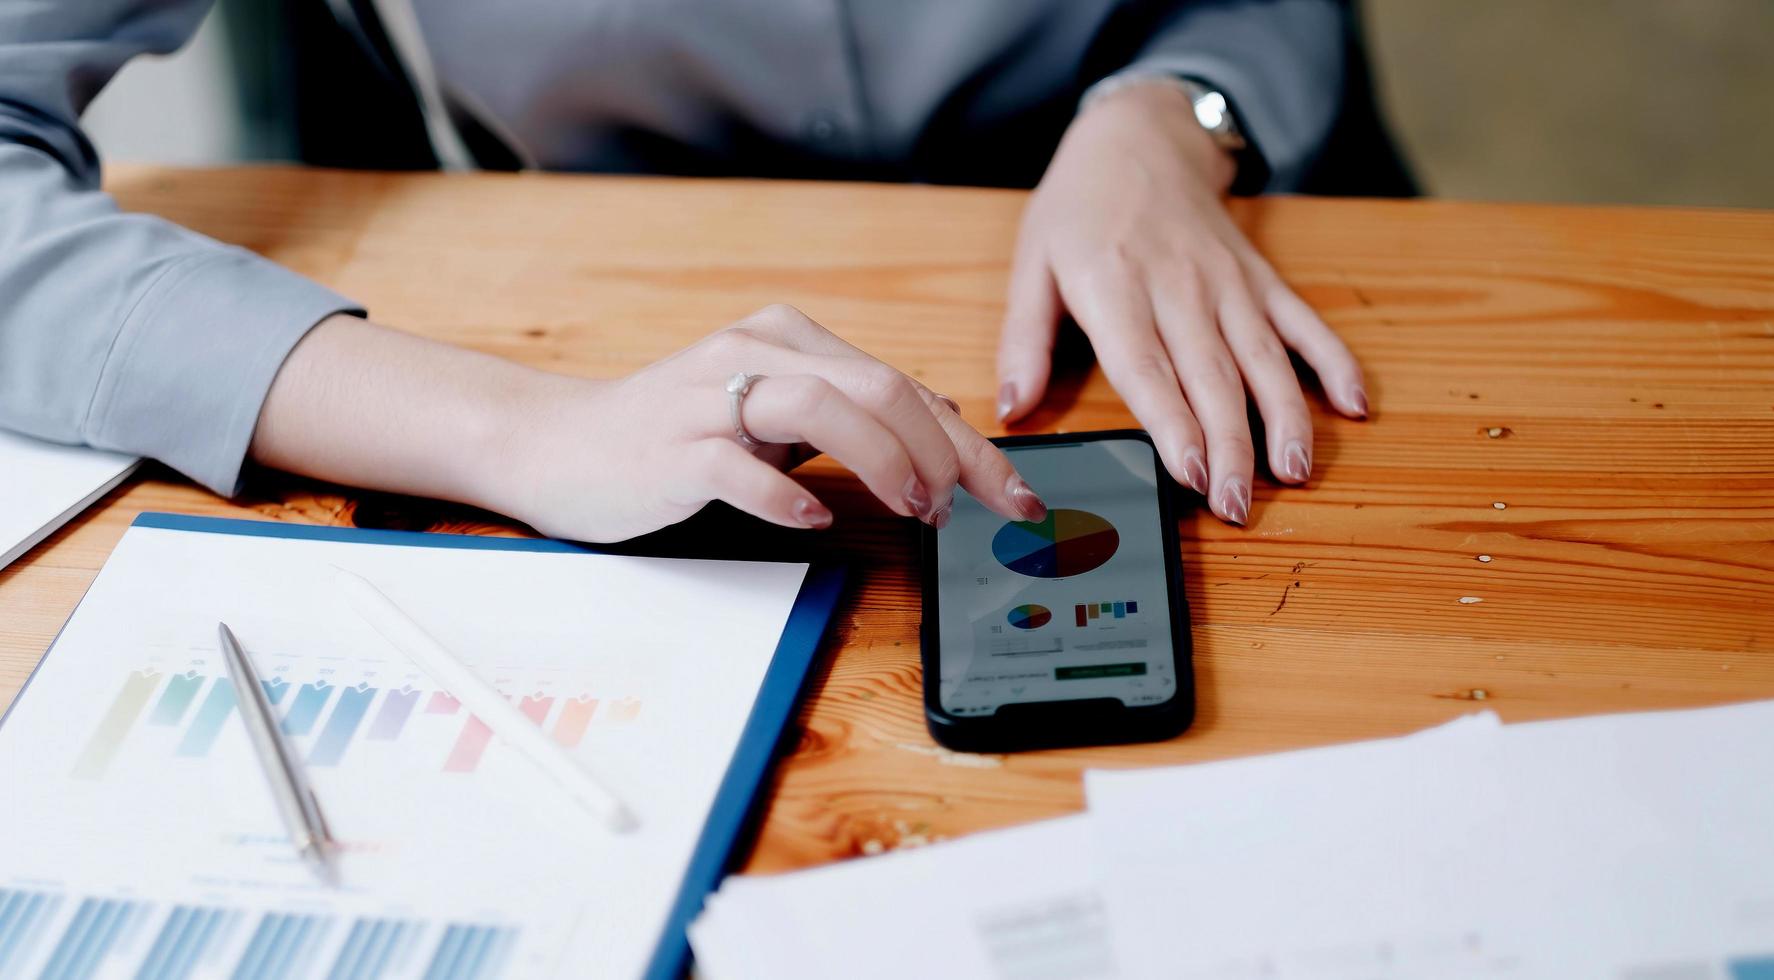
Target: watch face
1211	112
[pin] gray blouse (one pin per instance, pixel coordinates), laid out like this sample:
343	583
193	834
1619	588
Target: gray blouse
126	332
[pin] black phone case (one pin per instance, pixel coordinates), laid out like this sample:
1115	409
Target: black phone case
1088	721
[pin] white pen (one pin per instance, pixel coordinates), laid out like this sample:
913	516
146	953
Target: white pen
480	698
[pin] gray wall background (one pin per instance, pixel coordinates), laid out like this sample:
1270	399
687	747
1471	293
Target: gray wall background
1635	101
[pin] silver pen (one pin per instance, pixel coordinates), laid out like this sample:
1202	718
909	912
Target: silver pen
295	798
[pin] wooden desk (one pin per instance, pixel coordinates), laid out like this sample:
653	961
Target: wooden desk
1586	396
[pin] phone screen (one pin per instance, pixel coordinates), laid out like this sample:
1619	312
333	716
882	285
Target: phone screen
1074	607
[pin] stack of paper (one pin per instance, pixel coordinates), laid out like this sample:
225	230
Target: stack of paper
1631	846
43	485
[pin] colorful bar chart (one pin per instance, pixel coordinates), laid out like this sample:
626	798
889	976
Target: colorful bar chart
153	941
1084	612
335	717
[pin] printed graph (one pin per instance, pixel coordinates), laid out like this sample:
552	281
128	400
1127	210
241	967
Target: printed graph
71	938
326	718
1066	543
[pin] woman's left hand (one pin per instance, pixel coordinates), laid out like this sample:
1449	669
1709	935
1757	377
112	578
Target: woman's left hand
1127	232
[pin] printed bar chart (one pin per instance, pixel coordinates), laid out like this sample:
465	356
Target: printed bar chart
354	702
176	698
118	719
393	716
465	757
23	916
216	708
575	717
336	717
183	937
306	709
150	941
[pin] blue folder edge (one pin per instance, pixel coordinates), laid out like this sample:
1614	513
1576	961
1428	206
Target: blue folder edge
737	798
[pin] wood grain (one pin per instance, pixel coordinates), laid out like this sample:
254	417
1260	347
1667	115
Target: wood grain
1606	374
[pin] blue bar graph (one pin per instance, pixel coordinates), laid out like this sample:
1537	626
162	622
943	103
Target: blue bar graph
469	953
306	709
1753	968
335	738
217	706
88	938
370	946
279	944
117	937
22	918
181	941
176	698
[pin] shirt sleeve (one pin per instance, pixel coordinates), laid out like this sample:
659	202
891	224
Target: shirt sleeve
123	331
1278	62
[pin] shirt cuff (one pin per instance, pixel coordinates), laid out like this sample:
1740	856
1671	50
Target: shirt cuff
1280	67
195	358
1261	118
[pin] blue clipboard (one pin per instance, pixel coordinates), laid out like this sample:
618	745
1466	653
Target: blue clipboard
735	802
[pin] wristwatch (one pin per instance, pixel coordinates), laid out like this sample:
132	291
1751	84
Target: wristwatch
1212	110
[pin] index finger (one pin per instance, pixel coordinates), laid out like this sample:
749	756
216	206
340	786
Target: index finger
987	473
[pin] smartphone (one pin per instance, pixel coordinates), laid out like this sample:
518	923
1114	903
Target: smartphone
1070	631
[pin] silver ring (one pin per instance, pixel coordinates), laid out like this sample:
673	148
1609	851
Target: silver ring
738	386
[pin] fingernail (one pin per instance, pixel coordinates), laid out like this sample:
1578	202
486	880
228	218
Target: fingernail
1295	464
1359	397
916	497
940	519
1006	399
812	513
1195	471
953	405
1024	500
1235	501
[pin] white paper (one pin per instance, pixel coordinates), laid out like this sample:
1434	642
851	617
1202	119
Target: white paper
43	485
141	808
1636	846
1018	904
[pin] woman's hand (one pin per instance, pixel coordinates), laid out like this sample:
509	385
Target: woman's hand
1127	233
607	460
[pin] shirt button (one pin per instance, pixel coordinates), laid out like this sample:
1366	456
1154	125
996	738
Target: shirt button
822	128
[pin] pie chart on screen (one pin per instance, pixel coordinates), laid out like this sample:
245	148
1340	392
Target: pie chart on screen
1030	617
1068	542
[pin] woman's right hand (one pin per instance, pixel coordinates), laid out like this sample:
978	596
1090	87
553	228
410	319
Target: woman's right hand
606	460
611	460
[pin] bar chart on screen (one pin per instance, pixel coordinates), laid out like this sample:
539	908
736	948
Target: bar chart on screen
329	710
58	936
